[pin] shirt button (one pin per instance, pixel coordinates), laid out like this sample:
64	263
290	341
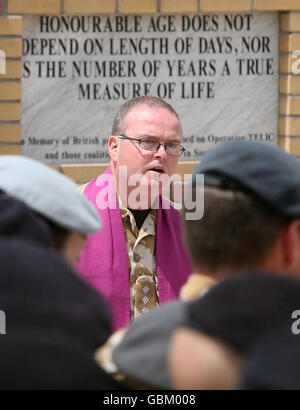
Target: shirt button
136	257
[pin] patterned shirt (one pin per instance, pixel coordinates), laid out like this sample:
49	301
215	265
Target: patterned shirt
141	257
142	264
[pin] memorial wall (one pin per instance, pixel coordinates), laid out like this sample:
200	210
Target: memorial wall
214	69
227	68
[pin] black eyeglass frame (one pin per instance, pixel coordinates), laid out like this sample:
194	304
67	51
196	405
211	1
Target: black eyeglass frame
124	137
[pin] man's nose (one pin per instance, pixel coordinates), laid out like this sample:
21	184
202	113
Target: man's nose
161	152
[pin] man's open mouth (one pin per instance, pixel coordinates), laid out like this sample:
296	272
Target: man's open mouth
161	171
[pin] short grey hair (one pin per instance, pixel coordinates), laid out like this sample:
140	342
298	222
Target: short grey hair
153	102
238	230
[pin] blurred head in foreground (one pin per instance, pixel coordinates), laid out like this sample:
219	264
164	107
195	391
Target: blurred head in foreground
70	217
226	328
251	213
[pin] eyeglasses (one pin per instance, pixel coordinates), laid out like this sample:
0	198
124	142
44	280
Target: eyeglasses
151	144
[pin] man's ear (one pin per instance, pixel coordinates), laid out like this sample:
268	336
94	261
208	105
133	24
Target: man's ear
290	239
113	147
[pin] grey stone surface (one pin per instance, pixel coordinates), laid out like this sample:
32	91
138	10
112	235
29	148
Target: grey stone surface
77	67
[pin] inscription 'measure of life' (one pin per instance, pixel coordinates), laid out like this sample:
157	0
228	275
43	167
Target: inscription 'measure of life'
219	71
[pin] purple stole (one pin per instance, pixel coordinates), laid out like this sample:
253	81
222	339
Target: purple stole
104	261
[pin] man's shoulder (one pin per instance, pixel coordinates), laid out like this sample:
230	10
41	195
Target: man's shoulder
93	182
82	187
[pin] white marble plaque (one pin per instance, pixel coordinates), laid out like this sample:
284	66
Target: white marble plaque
219	71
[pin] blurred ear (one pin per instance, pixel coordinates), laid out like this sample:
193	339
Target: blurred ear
290	240
113	144
197	361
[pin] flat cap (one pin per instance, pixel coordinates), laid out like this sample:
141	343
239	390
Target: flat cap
261	169
244	307
48	192
273	362
39	290
142	353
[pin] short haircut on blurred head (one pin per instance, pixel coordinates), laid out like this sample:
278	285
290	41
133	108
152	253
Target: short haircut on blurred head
237	230
152	102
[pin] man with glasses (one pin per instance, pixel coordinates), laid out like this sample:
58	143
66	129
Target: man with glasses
138	261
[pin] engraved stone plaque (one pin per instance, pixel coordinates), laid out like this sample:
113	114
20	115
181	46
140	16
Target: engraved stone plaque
219	72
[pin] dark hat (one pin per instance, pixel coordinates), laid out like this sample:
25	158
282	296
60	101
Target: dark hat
17	221
241	309
39	290
261	169
39	360
274	362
